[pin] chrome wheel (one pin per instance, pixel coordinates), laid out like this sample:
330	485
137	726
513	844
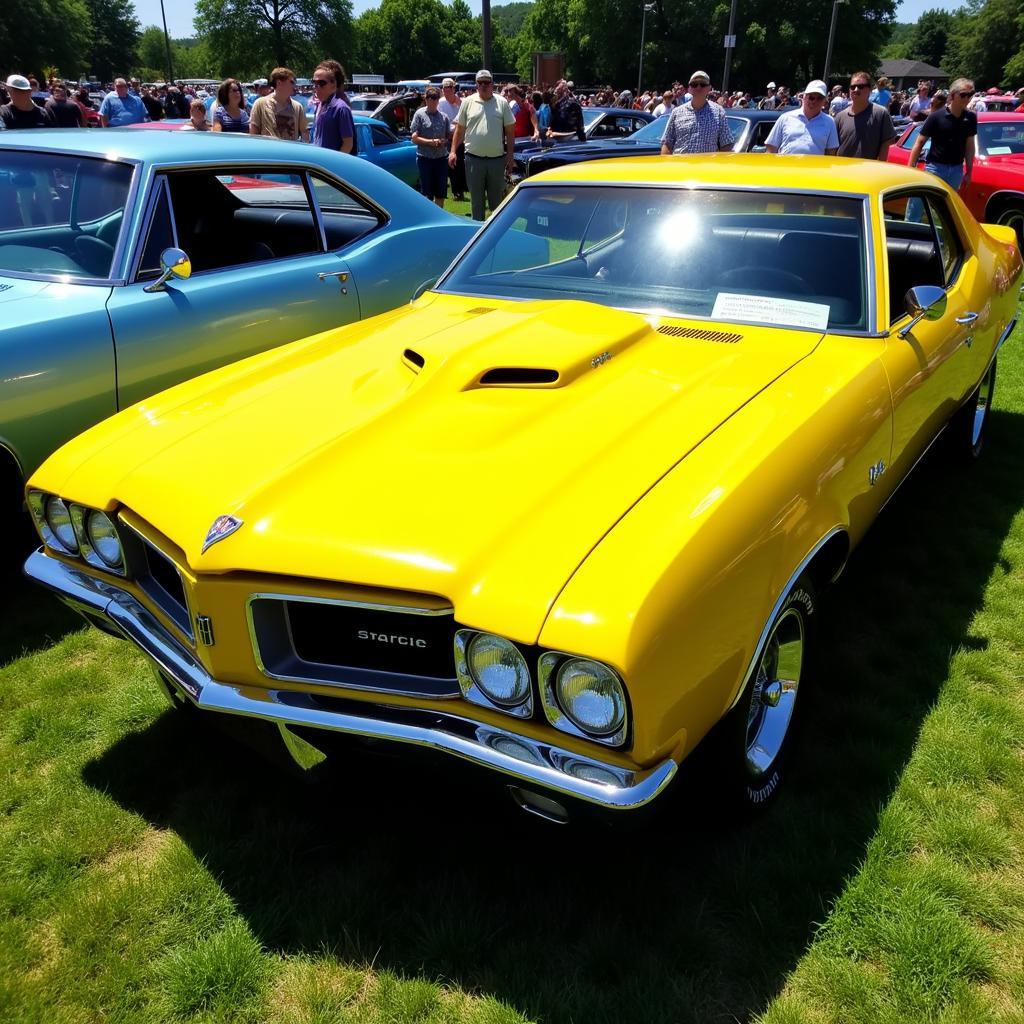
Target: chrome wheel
981	406
774	694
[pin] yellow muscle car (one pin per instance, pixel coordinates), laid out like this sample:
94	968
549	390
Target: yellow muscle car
571	508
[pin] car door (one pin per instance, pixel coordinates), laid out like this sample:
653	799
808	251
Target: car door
262	275
390	152
932	366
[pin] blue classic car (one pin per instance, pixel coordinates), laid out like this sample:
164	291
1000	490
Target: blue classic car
132	260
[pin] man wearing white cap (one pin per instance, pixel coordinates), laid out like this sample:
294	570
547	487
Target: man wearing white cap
807	130
486	124
21	112
699	126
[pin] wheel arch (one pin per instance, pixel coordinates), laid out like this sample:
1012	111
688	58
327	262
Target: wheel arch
998	201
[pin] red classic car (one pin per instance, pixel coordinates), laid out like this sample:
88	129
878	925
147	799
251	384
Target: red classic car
996	191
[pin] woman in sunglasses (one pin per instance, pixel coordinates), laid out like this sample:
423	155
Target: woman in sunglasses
230	115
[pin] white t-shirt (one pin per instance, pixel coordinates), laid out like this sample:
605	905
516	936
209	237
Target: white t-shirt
795	133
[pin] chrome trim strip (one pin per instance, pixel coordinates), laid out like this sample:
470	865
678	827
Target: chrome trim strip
520	757
808	558
368	605
1004	337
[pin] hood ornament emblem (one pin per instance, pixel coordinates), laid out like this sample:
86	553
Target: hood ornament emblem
223	526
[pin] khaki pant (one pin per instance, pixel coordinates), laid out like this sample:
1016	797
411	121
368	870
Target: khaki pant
486	179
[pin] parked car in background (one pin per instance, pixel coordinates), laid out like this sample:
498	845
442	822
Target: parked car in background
996	190
599	124
569	511
375	142
98	235
750	128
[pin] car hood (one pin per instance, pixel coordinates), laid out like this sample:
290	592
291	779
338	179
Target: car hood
428	449
1009	166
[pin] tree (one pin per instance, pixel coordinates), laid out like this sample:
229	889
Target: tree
250	36
402	38
986	41
930	37
114	37
34	35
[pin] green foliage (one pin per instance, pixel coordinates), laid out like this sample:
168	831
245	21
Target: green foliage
986	43
510	17
249	37
930	37
34	34
114	37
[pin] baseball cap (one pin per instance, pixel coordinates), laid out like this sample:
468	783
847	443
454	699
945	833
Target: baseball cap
770	85
817	86
18	82
703	75
483	75
260	81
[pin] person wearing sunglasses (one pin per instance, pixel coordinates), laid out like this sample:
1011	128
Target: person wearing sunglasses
229	113
333	126
279	115
865	129
951	131
699	125
808	129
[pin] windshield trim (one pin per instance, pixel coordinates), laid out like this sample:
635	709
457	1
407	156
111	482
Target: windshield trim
116	276
867	234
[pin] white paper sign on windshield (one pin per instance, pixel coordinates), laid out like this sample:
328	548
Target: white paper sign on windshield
767	310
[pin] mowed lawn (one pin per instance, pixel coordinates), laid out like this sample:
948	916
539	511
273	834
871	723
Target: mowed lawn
150	871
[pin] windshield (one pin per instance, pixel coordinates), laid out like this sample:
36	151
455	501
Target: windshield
59	214
651	132
754	257
1001	138
590	115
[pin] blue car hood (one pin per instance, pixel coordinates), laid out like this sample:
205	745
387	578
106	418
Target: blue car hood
33	302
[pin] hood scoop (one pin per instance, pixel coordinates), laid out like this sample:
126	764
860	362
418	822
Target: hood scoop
722	337
518	376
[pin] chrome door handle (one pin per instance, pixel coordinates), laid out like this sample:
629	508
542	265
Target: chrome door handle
967	319
342	275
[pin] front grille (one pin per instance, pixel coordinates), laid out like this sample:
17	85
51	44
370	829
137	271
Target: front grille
157	576
391	648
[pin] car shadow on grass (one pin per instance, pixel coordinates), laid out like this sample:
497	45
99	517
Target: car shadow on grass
30	618
425	868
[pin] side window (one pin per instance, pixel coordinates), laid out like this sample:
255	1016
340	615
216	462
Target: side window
345	217
908	142
949	241
382	137
912	248
159	237
228	218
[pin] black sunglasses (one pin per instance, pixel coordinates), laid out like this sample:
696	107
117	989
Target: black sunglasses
317	82
699	85
860	85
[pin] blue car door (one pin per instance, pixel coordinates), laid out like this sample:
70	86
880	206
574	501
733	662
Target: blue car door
262	276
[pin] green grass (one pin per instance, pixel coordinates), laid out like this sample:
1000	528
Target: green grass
152	871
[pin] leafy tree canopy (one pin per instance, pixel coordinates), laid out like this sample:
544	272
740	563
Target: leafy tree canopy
113	39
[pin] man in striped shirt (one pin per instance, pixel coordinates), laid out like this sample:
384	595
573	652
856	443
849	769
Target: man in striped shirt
698	126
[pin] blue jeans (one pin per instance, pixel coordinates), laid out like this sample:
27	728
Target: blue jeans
951	174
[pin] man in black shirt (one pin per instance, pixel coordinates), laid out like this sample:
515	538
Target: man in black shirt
63	112
566	115
952	130
21	112
153	106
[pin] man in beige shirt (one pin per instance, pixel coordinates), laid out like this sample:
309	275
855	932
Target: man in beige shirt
278	114
486	123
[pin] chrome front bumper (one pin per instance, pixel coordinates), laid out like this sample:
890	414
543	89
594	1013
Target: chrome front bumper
523	760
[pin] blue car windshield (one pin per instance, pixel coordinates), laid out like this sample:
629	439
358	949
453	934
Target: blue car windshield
793	260
651	132
60	215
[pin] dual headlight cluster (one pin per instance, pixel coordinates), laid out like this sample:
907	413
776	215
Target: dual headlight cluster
579	696
77	530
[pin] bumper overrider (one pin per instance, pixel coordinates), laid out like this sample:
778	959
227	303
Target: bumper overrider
526	762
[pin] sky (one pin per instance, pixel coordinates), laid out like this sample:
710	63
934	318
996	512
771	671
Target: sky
180	12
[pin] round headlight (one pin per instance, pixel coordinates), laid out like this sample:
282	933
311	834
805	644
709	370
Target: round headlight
103	538
58	518
591	696
498	669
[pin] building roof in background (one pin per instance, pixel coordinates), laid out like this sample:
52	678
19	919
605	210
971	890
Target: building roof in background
909	69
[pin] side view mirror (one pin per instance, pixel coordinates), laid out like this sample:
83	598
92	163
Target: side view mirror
173	263
925	302
424	287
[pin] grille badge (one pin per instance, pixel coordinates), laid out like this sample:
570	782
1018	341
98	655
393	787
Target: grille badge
223	526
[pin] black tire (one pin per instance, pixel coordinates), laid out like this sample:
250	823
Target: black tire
757	735
969	426
1012	215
